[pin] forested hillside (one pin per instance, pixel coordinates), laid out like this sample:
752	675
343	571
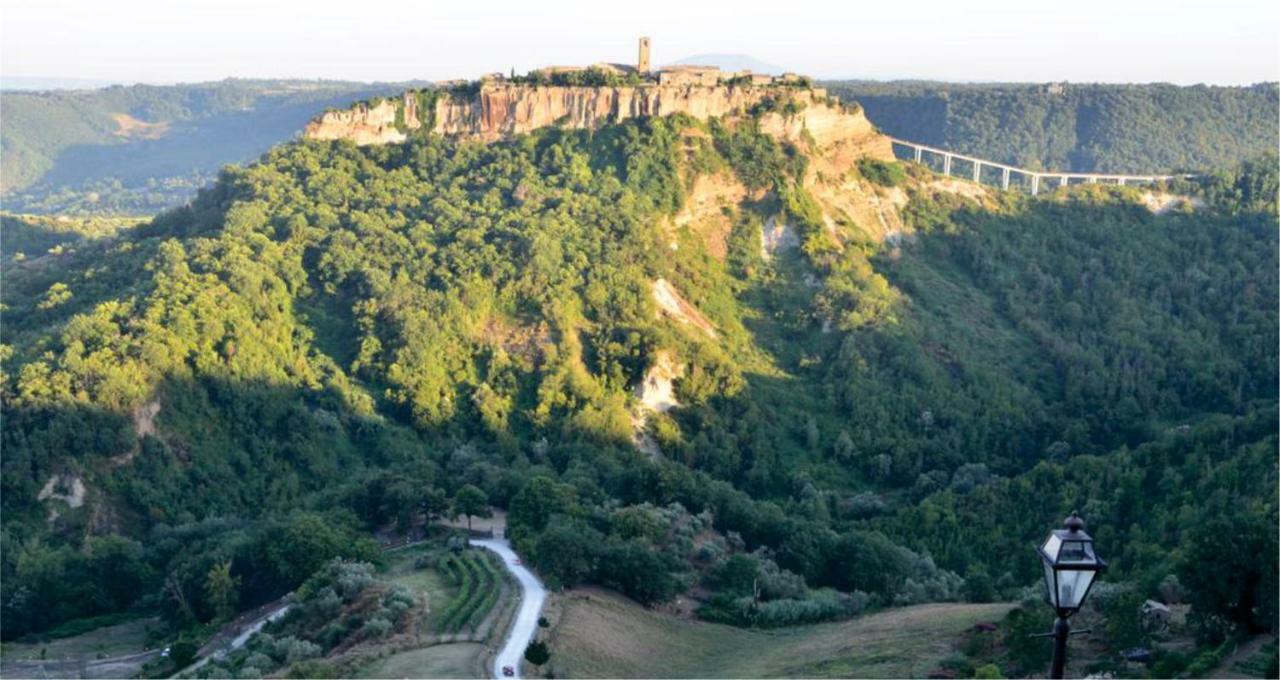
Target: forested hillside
1078	127
142	148
335	339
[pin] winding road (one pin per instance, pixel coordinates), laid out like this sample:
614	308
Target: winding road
532	597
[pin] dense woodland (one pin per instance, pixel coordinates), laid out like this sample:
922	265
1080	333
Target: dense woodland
338	339
1078	127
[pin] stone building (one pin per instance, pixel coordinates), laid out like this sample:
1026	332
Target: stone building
702	76
643	64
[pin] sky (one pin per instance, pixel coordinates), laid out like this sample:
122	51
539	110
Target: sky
164	41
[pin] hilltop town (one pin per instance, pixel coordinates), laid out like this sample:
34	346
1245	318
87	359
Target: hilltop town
642	73
497	106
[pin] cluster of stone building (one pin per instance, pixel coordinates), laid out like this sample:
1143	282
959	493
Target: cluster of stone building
677	75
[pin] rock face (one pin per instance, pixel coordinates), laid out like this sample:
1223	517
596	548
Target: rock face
502	110
655	394
362	124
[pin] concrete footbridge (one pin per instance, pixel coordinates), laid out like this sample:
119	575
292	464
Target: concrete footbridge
1034	177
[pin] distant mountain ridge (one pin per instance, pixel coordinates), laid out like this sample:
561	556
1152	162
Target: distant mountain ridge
141	148
40	84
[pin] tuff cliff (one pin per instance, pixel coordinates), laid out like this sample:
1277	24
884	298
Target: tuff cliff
501	110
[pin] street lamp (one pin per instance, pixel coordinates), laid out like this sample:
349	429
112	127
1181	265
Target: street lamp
1070	568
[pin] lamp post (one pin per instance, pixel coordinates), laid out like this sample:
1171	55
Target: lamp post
1070	567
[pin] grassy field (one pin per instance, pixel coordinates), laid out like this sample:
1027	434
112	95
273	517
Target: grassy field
600	634
129	637
428	584
455	660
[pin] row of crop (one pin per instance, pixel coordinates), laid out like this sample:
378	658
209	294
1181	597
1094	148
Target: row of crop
484	599
477	590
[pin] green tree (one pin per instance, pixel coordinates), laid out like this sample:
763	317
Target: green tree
471	501
435	503
541	498
537	653
566	552
222	590
1228	587
978	586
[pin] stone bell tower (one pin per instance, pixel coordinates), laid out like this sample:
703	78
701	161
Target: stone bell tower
643	65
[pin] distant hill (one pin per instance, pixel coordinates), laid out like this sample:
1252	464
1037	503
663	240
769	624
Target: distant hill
732	62
1083	128
141	148
25	83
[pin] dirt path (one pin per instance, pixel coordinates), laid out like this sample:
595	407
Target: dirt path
114	667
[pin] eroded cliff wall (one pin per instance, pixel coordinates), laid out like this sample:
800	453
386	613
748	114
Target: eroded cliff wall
502	110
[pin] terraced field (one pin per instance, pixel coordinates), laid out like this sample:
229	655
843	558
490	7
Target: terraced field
479	584
469	603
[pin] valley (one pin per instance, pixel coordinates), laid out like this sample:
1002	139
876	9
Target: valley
750	395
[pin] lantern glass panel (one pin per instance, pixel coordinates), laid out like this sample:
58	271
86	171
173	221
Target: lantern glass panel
1050	584
1077	552
1072	587
1052	545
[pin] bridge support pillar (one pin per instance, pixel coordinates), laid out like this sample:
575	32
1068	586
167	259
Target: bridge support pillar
977	172
1035	184
1120	181
1004	179
1093	180
919	154
1065	181
946	165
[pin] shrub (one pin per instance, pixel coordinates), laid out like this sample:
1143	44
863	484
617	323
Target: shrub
818	605
989	671
884	173
290	649
183	652
376	627
325	605
313	668
537	653
261	662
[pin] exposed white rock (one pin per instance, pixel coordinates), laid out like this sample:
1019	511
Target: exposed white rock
66	488
673	305
776	235
656	393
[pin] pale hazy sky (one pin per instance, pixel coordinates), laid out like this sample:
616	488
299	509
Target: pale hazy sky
1179	41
